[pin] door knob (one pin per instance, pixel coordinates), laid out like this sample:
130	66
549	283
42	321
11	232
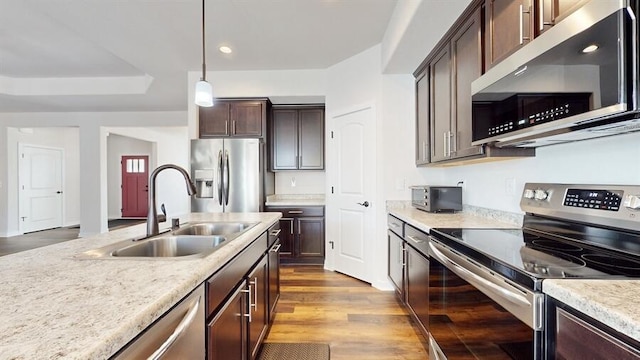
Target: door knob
365	204
58	192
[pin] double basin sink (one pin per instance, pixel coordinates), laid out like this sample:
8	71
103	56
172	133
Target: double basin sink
191	240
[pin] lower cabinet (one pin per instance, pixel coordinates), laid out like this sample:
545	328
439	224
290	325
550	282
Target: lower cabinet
274	277
227	332
302	234
408	270
417	287
239	301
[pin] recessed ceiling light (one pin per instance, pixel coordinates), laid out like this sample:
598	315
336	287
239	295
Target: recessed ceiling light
590	48
225	49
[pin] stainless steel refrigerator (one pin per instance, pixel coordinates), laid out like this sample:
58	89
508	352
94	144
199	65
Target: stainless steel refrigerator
230	175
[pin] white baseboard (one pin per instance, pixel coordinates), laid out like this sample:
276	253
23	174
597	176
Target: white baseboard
10	234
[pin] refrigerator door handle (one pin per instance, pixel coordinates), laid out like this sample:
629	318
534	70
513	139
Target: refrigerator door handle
226	176
220	177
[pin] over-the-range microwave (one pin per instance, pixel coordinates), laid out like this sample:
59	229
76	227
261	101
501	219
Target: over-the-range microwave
578	80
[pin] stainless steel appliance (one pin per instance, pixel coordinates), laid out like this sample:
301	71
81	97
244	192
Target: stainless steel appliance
485	285
578	80
178	334
436	198
230	175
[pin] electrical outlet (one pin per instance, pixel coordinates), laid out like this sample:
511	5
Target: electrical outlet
293	182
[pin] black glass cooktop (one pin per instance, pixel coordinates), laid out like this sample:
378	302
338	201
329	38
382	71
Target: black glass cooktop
529	255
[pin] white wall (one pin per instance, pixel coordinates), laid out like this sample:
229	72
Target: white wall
92	159
300	182
66	138
117	147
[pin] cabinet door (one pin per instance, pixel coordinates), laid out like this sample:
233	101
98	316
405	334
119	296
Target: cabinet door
396	262
274	278
214	121
311	239
258	286
466	47
550	12
508	28
247	118
311	139
440	72
287	237
417	287
227	332
422	119
284	143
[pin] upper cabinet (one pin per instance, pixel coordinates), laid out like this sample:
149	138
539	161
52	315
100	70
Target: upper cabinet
511	24
443	95
246	118
297	138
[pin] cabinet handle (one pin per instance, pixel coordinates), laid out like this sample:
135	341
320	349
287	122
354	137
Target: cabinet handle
276	248
522	12
233	127
404	258
299	226
452	140
415	240
444	140
275	232
248	297
184	324
291	227
255	294
542	22
296	212
424	150
226	127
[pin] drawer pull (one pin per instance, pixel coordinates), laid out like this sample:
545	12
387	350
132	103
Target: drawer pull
296	212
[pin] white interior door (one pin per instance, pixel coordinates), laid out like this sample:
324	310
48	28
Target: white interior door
350	210
40	182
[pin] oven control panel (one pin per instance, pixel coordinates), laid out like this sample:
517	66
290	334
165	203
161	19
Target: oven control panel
594	199
608	205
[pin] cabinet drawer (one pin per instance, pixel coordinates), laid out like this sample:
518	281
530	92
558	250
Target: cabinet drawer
302	211
417	239
396	225
220	284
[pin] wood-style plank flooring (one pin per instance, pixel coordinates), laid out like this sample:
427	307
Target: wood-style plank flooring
355	319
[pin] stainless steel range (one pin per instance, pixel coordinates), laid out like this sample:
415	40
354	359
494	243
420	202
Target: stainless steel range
485	285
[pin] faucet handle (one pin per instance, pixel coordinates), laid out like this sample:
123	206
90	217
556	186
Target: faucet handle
163	217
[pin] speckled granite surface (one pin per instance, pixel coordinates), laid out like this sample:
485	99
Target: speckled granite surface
56	306
612	302
295	200
469	217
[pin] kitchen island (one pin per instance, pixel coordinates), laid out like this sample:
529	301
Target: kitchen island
58	305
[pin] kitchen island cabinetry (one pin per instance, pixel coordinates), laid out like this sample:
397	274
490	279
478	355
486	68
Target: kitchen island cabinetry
297	138
302	234
245	118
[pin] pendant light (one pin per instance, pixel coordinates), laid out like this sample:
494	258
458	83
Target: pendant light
204	92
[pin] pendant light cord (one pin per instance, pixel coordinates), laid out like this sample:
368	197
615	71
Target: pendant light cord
204	66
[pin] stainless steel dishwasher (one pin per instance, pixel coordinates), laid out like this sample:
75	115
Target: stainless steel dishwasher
178	334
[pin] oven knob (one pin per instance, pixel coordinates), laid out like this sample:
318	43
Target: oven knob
528	194
540	194
632	202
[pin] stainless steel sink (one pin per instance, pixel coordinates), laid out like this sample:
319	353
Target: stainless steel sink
171	246
214	228
190	241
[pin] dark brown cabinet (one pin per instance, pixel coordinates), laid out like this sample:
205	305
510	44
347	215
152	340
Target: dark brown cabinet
452	71
509	27
238	302
302	235
550	12
423	141
396	263
417	287
297	138
234	118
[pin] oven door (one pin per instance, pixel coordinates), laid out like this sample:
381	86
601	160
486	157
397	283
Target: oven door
472	312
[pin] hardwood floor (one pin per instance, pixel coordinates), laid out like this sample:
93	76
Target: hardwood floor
355	319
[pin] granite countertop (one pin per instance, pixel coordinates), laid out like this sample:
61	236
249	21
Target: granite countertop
470	217
58	306
295	200
612	302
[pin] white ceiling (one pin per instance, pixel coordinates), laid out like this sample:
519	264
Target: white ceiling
127	55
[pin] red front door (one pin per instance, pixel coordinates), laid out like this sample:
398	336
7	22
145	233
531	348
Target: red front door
135	186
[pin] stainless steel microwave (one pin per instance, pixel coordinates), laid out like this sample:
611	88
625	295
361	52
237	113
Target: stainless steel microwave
578	80
436	198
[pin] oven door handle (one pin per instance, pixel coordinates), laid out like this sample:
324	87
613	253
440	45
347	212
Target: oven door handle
479	281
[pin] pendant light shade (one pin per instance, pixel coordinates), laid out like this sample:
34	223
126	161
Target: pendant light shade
204	94
204	91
